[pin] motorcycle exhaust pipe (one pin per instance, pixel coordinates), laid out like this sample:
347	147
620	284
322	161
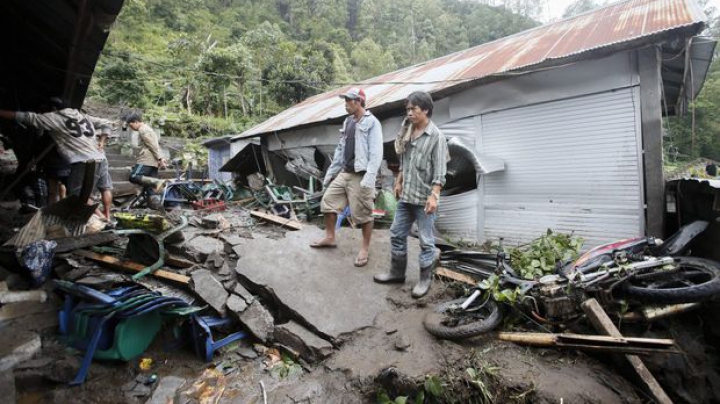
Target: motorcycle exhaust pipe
653	313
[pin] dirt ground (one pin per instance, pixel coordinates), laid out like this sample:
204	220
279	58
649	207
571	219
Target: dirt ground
394	355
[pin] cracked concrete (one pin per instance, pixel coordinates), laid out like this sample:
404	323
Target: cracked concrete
321	288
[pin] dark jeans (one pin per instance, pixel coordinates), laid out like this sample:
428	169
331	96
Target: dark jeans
405	215
140	170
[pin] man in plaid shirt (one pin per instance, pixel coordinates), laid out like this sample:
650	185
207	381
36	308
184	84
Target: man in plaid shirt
422	149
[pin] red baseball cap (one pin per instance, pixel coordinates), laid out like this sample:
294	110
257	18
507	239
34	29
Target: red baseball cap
354	94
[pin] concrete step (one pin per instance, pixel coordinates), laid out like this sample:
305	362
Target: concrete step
124	188
120	161
123	173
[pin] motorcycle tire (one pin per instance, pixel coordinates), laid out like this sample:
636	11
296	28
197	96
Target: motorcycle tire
694	280
458	326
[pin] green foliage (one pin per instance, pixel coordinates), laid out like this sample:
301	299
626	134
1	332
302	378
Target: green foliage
243	61
534	260
286	368
540	256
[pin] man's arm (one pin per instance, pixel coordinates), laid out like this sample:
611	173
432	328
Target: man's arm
375	154
338	158
439	164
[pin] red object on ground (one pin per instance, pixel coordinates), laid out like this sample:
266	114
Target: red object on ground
209	204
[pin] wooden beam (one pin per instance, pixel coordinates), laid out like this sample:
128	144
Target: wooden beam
289	223
130	266
651	124
455	276
602	323
594	343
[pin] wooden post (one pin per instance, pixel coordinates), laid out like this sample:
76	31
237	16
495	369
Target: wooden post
602	323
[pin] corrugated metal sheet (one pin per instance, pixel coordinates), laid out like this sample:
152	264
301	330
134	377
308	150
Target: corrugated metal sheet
612	25
571	165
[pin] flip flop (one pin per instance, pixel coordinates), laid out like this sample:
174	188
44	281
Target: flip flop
361	262
322	245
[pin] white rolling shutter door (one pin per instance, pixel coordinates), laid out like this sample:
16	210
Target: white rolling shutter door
571	165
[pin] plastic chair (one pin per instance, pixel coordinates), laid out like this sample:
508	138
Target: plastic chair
203	340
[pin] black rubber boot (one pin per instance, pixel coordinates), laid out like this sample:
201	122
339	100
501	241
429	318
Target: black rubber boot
396	274
423	285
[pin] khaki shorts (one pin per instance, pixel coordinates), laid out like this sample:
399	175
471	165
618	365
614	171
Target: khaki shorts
345	189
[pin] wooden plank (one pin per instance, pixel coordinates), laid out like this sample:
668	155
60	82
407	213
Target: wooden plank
455	276
595	343
66	244
125	265
602	323
289	223
175	261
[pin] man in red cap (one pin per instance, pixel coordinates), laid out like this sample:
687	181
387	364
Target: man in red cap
350	179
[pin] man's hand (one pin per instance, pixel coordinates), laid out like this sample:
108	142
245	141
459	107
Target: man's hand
431	205
397	189
162	163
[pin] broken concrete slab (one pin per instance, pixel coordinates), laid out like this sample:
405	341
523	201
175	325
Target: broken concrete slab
199	248
210	289
215	259
224	269
17	346
242	292
166	389
236	304
303	341
258	320
322	286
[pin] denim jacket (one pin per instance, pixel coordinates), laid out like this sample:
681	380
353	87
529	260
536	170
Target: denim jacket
368	150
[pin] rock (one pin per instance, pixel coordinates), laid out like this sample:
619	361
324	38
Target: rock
64	370
224	269
238	249
17	346
215	260
210	289
303	341
7	386
242	292
258	321
246	234
232	239
401	343
166	389
229	284
247	352
236	304
201	247
211	221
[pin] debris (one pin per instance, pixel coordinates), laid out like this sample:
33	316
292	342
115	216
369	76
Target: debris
7	386
37	259
258	321
455	276
242	292
166	389
146	364
301	340
208	389
17	346
595	343
215	259
7	296
236	304
225	269
602	322
116	263
199	248
246	352
210	289
232	239
68	244
289	223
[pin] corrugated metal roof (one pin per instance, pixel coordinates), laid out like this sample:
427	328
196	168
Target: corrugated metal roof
612	25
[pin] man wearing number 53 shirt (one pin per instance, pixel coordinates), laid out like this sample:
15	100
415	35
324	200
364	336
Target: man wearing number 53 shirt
74	133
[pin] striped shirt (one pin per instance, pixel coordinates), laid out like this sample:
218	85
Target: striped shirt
423	165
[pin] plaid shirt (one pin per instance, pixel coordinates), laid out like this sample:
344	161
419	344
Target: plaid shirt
423	165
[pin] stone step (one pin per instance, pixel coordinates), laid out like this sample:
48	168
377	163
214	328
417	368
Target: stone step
124	188
123	173
120	161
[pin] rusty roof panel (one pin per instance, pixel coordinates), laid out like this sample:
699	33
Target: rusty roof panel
604	27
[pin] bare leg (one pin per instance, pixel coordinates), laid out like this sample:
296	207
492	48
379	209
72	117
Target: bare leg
106	195
329	240
53	190
367	229
62	191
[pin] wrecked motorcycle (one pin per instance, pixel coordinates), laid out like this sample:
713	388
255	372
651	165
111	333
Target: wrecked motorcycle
628	274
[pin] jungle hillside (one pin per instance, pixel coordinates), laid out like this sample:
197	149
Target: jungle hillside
208	68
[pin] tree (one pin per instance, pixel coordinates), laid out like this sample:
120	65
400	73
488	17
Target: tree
369	60
579	7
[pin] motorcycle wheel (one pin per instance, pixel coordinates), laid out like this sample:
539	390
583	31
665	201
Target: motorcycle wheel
445	323
694	280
